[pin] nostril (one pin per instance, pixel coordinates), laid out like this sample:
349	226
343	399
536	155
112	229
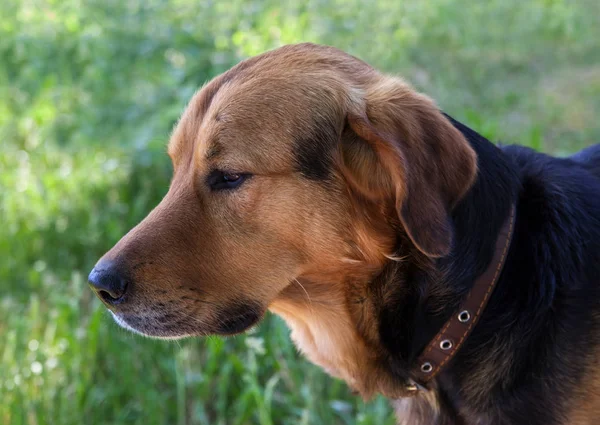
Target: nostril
112	297
109	283
106	296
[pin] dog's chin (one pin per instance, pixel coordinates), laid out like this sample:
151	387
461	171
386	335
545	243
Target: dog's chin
229	321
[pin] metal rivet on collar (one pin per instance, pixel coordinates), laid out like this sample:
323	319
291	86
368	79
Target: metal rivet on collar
446	344
426	367
464	316
411	387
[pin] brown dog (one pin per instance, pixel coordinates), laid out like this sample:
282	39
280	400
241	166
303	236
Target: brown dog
307	183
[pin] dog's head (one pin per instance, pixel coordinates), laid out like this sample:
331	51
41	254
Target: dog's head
295	172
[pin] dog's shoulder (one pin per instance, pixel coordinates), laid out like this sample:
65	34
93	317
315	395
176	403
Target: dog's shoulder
569	185
583	165
589	159
560	201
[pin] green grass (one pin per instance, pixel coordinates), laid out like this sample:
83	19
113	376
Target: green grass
88	94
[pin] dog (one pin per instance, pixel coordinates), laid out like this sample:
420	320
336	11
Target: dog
309	184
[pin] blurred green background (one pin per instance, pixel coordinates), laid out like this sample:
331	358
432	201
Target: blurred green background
89	91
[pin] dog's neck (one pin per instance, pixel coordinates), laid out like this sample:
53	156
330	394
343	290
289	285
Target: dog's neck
373	346
436	288
434	291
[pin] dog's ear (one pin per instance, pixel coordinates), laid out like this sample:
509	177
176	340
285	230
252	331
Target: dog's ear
398	145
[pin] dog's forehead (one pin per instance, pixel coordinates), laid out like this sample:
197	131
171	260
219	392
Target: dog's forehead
237	122
264	106
267	103
264	118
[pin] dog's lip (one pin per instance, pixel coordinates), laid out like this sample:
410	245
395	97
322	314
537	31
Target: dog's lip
151	323
122	321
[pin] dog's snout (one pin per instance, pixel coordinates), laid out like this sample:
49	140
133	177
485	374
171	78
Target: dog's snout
108	282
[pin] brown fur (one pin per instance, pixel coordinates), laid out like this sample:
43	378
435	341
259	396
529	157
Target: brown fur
585	408
307	250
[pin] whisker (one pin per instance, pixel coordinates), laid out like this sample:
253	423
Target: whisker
361	251
310	304
396	258
351	260
195	319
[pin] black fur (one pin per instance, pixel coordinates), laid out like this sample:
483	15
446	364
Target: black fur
312	150
533	344
238	317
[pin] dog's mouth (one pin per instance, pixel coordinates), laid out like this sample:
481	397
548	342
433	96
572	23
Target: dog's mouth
158	323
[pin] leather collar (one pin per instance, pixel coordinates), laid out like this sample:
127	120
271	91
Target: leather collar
446	343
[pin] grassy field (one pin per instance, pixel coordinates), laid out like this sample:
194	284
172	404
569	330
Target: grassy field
89	91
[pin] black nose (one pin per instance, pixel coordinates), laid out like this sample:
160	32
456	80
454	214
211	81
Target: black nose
108	283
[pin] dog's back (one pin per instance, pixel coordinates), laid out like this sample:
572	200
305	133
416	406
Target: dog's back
551	285
589	158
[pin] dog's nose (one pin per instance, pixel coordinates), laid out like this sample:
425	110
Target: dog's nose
108	283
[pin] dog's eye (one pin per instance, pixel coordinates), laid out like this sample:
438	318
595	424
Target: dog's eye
219	180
